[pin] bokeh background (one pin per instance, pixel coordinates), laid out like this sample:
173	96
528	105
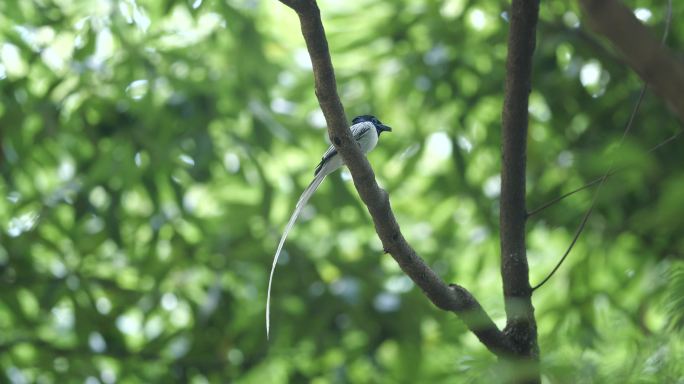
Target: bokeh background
152	152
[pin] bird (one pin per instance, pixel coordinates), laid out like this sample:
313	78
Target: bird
366	130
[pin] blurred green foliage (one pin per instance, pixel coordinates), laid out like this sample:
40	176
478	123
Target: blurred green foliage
152	152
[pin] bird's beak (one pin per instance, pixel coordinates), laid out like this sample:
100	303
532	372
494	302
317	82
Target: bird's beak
385	128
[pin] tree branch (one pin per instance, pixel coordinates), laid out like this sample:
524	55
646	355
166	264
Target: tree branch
447	297
521	326
642	51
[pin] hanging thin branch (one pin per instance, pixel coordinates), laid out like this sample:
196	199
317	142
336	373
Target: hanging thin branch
628	127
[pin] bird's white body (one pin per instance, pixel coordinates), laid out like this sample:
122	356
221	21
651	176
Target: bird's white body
366	135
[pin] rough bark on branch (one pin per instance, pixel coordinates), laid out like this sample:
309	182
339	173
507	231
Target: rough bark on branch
447	297
642	51
521	327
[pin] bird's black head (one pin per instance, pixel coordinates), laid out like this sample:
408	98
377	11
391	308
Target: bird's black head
379	126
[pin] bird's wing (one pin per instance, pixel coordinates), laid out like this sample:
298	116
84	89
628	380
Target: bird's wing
300	205
326	156
358	131
361	129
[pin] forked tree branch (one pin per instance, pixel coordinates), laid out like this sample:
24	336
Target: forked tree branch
642	51
452	297
521	326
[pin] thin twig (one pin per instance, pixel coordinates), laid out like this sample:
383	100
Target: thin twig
583	223
580	228
559	198
630	122
666	141
597	180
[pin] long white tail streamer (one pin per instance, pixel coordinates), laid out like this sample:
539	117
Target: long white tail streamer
308	192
